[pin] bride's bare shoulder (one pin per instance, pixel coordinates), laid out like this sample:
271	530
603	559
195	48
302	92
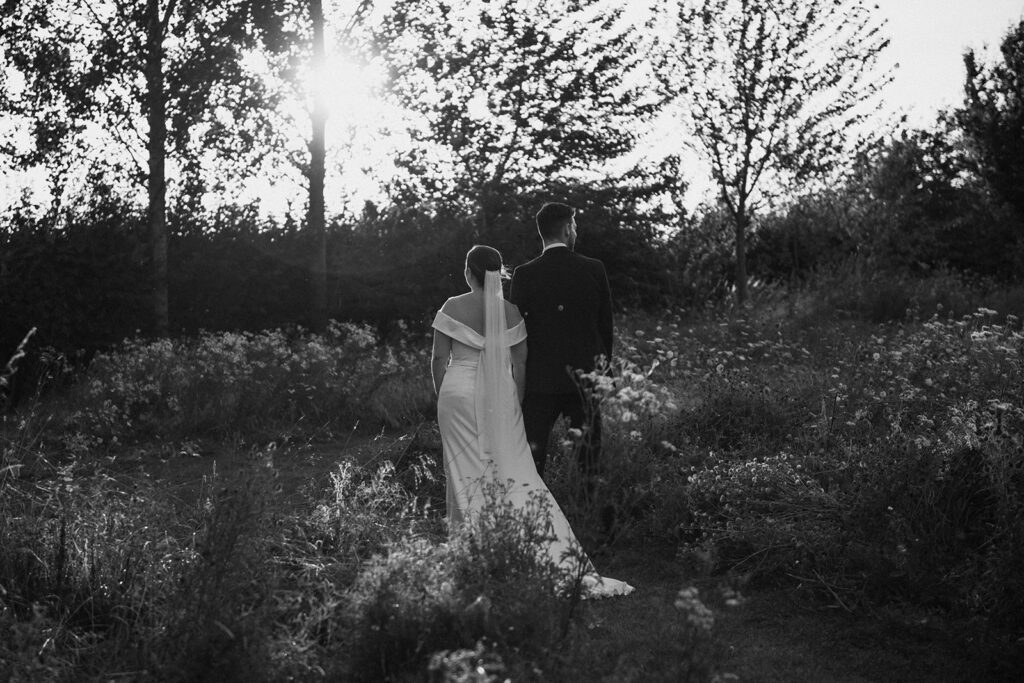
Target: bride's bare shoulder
460	308
453	304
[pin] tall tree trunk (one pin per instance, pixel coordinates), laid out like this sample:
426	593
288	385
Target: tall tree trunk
317	170
156	116
742	220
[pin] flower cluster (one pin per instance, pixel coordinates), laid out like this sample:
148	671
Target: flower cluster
696	612
728	488
937	381
888	452
626	392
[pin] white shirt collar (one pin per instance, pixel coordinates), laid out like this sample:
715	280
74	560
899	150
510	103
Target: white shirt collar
554	245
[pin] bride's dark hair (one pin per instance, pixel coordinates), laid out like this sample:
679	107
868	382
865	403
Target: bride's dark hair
481	259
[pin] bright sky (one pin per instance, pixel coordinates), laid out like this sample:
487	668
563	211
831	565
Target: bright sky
928	38
928	41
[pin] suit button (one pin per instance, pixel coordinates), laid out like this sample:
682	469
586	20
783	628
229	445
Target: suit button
561	307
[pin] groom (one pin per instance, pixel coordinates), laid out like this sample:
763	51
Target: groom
566	302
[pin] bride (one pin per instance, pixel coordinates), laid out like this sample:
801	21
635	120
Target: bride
478	367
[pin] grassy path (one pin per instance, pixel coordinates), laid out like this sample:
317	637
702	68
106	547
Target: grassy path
783	636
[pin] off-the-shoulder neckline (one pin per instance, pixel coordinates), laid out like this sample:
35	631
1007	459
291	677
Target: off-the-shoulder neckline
459	322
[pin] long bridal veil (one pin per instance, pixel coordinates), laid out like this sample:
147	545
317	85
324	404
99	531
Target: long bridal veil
498	385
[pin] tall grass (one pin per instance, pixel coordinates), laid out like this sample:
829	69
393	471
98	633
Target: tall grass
362	582
814	447
788	443
263	384
883	465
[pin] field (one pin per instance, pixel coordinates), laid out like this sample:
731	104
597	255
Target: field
825	486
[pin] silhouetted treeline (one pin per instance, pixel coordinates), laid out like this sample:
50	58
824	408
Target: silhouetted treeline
83	280
945	198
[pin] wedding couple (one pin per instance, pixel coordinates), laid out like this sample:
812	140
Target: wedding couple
483	372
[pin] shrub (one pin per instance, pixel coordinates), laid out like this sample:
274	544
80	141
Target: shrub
862	291
635	492
87	558
323	550
121	579
492	580
364	512
907	483
216	622
225	383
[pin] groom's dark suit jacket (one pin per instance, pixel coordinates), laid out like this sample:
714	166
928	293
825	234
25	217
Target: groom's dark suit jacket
567	304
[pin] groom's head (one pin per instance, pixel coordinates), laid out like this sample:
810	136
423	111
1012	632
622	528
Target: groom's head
557	223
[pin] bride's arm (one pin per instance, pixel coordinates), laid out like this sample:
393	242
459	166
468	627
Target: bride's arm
442	351
518	353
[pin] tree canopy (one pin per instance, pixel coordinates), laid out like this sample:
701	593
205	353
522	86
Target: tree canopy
157	80
502	94
993	117
774	94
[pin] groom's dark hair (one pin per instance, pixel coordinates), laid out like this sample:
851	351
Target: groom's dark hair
552	217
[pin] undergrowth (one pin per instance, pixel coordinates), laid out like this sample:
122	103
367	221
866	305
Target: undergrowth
788	443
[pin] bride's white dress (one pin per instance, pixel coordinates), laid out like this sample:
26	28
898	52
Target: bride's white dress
472	460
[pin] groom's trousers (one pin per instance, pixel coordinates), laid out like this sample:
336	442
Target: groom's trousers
541	411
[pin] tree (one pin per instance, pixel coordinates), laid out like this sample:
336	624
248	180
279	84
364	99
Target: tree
505	95
927	207
317	170
177	66
993	117
775	90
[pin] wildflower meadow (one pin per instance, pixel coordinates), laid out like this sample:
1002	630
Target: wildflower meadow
867	467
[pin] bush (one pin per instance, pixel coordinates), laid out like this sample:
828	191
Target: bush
100	577
859	291
361	514
906	484
224	383
492	580
122	581
636	492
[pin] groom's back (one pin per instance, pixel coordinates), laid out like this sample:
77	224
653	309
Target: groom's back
566	302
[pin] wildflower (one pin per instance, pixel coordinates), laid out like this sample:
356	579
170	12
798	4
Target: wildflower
688	601
733	598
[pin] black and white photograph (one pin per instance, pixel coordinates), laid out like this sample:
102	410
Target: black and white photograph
512	341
